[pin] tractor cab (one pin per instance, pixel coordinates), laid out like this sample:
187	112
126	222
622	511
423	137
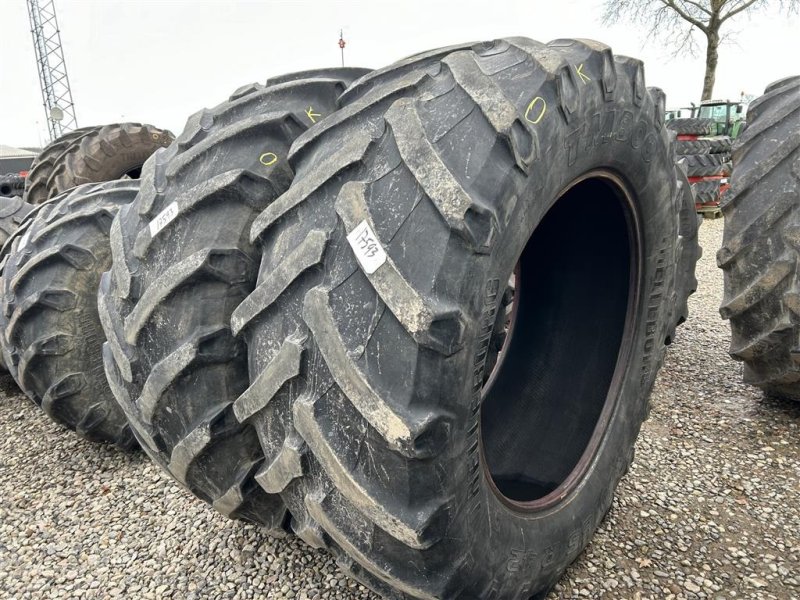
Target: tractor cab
728	117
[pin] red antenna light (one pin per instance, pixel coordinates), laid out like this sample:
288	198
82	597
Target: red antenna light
341	44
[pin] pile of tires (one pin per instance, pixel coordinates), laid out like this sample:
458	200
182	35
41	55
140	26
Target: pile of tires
706	159
319	314
759	254
88	154
367	284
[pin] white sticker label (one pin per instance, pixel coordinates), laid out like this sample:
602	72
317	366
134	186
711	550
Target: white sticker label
366	247
163	218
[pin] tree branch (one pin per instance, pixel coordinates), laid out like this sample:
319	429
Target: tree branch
698	6
735	11
685	16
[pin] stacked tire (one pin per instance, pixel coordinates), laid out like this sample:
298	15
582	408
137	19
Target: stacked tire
759	254
706	159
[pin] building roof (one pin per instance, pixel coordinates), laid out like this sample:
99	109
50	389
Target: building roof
11	152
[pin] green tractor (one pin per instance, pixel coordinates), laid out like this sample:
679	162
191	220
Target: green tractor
728	117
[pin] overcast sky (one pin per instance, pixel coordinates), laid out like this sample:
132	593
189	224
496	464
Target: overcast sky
160	61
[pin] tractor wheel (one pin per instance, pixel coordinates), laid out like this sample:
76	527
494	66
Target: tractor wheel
691	126
183	261
759	254
52	333
44	163
700	146
430	464
101	154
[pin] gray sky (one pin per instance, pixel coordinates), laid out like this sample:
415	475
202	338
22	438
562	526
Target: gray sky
160	61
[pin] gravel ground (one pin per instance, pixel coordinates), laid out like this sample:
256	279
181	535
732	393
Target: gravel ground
710	508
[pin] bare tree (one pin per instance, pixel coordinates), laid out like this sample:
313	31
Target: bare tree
677	21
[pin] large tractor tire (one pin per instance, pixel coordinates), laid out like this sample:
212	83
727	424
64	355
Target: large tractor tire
105	153
759	254
691	126
510	194
52	334
182	262
44	163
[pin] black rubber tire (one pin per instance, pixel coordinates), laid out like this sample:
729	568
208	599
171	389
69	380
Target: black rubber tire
13	211
171	359
706	165
759	254
786	81
706	191
372	413
52	333
11	185
105	153
684	147
691	126
719	144
44	163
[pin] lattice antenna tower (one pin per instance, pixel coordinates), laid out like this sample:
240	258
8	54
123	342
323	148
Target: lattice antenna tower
56	94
